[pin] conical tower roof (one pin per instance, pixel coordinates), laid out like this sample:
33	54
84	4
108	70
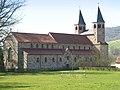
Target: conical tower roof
81	19
99	16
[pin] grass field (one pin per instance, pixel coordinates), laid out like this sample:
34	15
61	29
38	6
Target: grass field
61	80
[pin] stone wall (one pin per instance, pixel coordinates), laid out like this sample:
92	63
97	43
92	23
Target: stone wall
11	52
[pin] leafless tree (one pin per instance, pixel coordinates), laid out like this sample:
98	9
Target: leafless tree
9	16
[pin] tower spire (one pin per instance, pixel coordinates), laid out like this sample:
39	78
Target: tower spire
81	19
99	16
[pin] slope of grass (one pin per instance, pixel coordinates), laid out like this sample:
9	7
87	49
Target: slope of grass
114	44
56	80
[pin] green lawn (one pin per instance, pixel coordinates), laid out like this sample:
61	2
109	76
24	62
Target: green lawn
61	80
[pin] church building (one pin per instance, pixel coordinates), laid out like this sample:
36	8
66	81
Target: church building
57	50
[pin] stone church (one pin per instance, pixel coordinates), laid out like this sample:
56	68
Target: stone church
57	50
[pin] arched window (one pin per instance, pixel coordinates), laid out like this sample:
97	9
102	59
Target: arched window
68	57
94	25
73	47
63	47
36	45
9	54
47	46
83	27
31	45
80	28
53	59
42	46
75	59
76	28
99	25
38	59
60	59
45	59
84	47
52	46
89	48
68	47
103	26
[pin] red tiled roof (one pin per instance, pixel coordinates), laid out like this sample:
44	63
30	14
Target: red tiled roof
44	51
70	38
30	37
117	61
52	38
82	52
35	51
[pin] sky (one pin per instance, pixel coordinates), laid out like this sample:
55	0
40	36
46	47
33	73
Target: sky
44	16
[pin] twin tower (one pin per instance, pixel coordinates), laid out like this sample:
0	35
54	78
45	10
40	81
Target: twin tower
98	27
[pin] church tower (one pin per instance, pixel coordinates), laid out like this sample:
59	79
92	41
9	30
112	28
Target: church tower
99	28
99	33
81	26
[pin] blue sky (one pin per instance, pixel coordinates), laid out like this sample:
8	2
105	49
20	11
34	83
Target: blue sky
43	16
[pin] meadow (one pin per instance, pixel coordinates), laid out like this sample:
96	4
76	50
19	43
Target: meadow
61	80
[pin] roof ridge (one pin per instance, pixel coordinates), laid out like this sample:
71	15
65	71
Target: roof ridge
66	34
28	33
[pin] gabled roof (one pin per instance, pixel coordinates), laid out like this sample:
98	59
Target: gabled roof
31	37
81	19
70	38
36	51
52	38
99	16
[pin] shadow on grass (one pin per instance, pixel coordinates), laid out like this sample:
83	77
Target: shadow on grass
55	72
11	85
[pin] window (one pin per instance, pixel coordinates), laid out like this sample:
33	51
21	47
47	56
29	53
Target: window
60	59
99	26
89	48
79	47
94	25
76	28
67	57
68	47
53	59
41	45
83	27
36	45
75	59
103	26
45	59
84	48
80	28
73	47
52	46
63	47
47	45
38	59
9	54
31	45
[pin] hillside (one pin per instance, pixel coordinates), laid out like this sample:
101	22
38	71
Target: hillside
112	33
114	49
114	44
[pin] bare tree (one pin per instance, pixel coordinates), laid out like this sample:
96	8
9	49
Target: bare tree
9	16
